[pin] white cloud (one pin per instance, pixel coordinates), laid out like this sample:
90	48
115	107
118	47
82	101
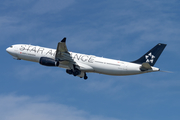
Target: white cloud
14	107
111	86
33	70
50	6
13	29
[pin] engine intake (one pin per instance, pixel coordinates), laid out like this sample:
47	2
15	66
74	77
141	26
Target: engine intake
48	61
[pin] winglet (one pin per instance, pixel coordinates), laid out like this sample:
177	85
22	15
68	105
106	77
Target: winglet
64	39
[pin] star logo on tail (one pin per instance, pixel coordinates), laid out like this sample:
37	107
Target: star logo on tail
149	58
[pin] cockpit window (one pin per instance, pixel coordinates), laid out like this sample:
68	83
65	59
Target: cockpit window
11	47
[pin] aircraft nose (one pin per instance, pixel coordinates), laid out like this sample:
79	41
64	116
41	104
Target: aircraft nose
7	49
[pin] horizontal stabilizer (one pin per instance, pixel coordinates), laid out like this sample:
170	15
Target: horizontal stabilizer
145	66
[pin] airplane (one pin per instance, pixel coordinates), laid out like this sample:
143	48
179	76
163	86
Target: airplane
77	64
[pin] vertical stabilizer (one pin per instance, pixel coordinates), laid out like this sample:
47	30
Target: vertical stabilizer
151	56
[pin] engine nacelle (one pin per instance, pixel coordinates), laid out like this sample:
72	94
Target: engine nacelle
48	61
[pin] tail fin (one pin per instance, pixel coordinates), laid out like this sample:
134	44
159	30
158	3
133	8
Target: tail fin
151	56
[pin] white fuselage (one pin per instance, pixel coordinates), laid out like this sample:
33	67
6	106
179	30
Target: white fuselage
88	63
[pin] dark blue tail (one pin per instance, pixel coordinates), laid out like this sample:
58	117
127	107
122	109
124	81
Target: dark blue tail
151	56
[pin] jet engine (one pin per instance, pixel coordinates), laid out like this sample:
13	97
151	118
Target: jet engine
48	61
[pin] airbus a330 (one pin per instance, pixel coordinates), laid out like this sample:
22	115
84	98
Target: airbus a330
77	64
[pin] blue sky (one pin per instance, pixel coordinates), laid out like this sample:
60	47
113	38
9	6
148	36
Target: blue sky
117	29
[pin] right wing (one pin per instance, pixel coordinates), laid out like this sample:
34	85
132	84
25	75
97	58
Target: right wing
62	53
63	56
